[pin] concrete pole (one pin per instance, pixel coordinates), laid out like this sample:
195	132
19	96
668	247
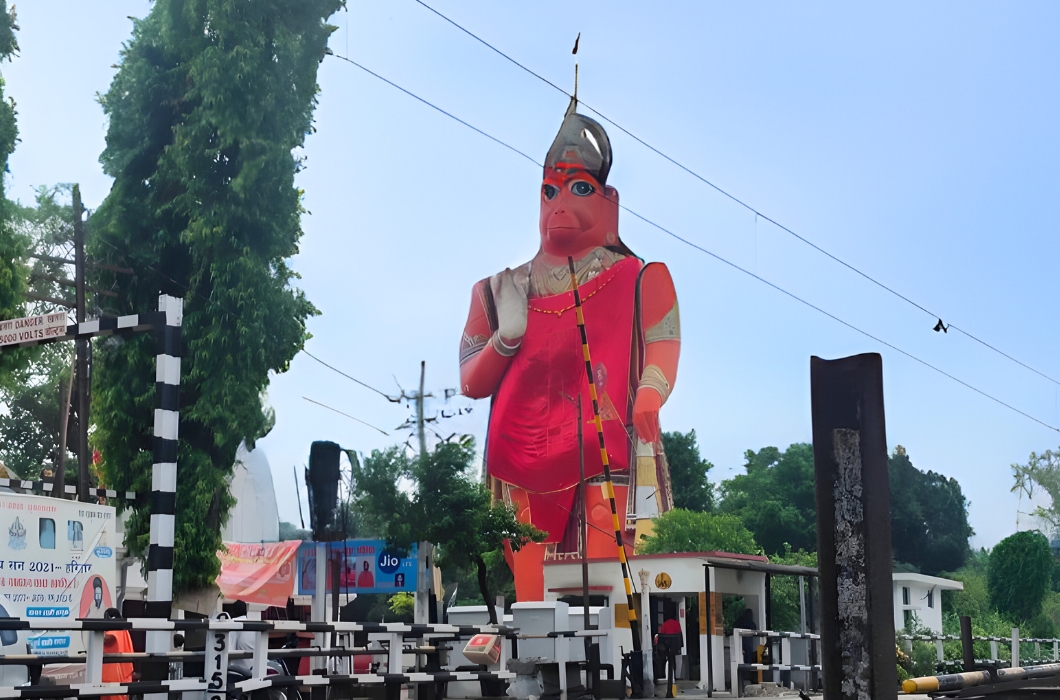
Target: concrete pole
645	634
802	604
424	582
853	528
320	602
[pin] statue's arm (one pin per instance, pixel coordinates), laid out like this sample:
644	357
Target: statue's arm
483	357
660	319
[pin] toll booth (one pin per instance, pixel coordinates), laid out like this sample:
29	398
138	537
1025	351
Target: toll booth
691	587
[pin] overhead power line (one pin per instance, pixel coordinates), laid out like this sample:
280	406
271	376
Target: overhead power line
737	200
221	306
352	379
716	256
323	405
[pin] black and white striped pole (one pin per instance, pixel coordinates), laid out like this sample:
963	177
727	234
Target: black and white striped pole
164	482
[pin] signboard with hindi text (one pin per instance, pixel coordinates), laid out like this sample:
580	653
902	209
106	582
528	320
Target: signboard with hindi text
23	330
57	562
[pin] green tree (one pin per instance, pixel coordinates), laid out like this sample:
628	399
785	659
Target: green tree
929	517
445	504
784	590
29	429
34	391
209	105
1043	471
775	498
13	246
1020	573
688	472
680	530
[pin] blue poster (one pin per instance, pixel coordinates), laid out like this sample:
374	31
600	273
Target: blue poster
365	566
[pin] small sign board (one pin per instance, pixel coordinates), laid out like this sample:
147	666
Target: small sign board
216	671
663	581
22	330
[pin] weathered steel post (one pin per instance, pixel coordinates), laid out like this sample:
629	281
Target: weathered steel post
853	528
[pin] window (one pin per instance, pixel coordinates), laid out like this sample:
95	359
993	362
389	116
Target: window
907	616
75	532
931	598
905	595
47	533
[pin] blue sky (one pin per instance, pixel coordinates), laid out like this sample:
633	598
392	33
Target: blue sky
916	142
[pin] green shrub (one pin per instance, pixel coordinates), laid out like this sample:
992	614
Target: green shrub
1019	575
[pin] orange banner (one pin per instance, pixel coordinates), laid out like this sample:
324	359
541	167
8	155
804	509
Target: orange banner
258	573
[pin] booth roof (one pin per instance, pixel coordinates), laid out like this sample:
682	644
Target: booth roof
720	560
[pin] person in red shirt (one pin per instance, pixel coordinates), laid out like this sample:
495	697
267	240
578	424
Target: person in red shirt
670	626
365	579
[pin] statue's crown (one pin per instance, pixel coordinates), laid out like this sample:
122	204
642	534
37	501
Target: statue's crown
581	143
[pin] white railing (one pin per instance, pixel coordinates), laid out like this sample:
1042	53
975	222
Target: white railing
780	645
1017	645
387	638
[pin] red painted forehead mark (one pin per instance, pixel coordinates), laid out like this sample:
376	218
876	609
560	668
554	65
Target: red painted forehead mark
565	172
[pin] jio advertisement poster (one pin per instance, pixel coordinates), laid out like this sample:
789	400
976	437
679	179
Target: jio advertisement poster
57	562
365	566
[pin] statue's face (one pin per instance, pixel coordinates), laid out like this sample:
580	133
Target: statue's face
577	214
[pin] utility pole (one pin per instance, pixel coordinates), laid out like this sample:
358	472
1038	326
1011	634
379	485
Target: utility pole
65	393
83	348
419	412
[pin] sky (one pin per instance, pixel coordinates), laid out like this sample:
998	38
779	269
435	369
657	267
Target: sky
915	142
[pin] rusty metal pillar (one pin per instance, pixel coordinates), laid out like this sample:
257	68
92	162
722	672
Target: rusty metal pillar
853	528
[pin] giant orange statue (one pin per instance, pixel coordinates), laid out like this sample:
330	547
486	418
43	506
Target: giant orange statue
522	347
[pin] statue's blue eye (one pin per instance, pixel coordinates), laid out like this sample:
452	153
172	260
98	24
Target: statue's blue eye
550	191
582	188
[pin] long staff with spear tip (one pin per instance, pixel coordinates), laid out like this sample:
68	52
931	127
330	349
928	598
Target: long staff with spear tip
609	488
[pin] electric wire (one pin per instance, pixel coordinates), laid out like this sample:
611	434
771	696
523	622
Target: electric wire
719	257
208	300
736	199
324	405
352	379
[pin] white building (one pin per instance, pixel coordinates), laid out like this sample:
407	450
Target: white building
920	596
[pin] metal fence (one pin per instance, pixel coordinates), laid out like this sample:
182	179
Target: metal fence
780	656
401	650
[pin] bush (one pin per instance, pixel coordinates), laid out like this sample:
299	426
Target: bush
1019	575
682	530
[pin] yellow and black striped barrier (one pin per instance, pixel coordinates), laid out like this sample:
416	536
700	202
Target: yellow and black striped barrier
959	681
608	486
950	681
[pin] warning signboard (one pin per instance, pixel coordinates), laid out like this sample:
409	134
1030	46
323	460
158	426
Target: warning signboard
22	330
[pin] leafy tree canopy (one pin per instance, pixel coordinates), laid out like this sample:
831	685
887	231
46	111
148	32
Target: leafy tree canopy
13	245
1041	471
34	392
929	517
784	590
775	497
210	103
1019	575
444	503
688	472
681	530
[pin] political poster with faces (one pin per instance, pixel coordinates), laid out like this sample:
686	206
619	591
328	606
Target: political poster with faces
57	561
